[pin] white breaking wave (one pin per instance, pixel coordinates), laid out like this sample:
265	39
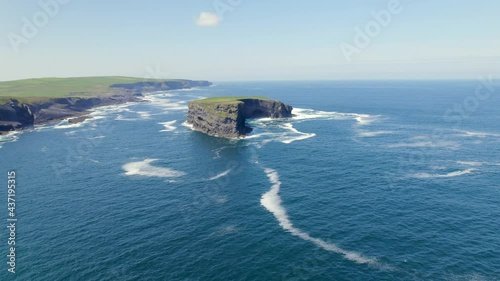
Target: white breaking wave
187	125
472	163
144	168
301	136
476	163
65	125
448	175
120	117
168	126
365	119
105	111
69	126
256	136
144	114
368	134
272	202
280	132
95	114
223	174
10	137
307	114
168	104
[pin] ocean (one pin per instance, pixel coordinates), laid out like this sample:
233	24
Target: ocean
370	180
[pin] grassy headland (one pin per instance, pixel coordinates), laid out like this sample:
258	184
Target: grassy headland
24	103
227	100
32	90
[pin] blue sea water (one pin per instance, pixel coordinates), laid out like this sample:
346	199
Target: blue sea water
386	180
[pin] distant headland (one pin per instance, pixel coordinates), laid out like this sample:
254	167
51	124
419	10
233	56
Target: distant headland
226	116
24	103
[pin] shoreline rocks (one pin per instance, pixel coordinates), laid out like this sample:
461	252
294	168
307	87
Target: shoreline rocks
16	115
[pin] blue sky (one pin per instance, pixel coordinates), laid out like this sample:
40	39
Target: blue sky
252	40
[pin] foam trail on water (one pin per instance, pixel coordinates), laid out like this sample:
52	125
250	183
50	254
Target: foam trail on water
9	137
477	134
448	175
120	117
144	114
302	136
158	100
369	134
144	168
271	200
437	144
364	119
65	123
187	125
476	163
169	126
472	163
223	174
307	114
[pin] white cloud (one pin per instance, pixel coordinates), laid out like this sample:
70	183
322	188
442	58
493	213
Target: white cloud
208	19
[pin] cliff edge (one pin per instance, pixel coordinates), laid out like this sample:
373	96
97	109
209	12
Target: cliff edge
226	116
20	110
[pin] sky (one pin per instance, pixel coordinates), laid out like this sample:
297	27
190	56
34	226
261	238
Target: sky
239	40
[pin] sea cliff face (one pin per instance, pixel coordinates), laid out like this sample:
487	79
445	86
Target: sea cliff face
15	115
228	118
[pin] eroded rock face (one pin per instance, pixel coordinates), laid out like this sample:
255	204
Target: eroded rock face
257	108
229	119
15	115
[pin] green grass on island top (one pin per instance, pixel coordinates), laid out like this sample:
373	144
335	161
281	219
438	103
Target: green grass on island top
227	100
30	90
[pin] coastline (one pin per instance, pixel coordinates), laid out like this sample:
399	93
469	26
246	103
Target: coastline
18	116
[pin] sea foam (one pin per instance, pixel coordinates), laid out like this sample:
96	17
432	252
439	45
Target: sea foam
433	144
167	104
477	134
10	137
169	126
308	114
271	200
221	175
448	175
301	135
144	168
369	134
187	125
477	163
